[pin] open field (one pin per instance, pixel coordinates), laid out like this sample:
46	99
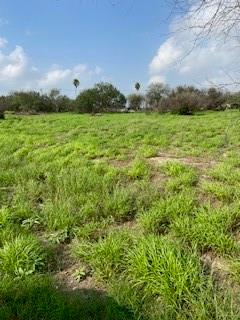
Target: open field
120	216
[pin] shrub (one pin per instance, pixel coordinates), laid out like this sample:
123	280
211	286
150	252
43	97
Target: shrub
135	101
34	101
215	99
2	112
155	93
185	101
30	101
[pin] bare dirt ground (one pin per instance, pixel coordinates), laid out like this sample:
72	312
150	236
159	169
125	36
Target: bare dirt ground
201	163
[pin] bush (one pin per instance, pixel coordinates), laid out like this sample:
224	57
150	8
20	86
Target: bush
186	100
34	102
155	94
104	97
135	101
2	115
2	109
215	99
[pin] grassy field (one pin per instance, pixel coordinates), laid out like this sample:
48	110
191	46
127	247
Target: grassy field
120	216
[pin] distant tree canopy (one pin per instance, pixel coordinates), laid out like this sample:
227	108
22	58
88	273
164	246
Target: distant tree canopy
155	93
2	109
135	101
33	101
104	97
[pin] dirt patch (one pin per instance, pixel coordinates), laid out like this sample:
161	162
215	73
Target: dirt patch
66	272
201	163
113	162
127	225
159	179
67	280
118	163
217	266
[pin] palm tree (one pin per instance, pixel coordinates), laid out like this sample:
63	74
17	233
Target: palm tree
76	84
137	86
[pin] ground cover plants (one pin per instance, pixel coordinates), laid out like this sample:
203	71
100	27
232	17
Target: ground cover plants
120	216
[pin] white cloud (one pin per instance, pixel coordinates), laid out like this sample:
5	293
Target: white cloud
54	77
157	79
179	61
17	72
12	65
167	54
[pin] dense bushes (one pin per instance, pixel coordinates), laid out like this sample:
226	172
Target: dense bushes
185	99
35	102
32	101
2	112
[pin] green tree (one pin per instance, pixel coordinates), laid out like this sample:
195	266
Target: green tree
60	102
104	97
86	102
109	97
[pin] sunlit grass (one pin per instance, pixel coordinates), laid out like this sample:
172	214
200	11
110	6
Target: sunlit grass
98	188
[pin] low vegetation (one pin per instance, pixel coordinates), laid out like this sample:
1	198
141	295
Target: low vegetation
121	216
105	98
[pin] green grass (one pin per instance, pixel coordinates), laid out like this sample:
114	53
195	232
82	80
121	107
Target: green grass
82	196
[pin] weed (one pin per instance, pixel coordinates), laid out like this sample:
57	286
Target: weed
21	257
106	255
209	230
163	213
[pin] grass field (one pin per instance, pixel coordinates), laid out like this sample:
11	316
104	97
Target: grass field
120	216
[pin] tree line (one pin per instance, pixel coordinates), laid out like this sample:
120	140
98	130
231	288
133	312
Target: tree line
104	97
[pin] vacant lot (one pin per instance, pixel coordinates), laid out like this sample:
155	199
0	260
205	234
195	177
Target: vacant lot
122	216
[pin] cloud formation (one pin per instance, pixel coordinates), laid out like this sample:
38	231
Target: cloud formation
179	60
18	73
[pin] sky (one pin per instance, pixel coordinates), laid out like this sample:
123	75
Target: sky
46	44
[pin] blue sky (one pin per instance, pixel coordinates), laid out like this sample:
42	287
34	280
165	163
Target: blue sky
44	44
